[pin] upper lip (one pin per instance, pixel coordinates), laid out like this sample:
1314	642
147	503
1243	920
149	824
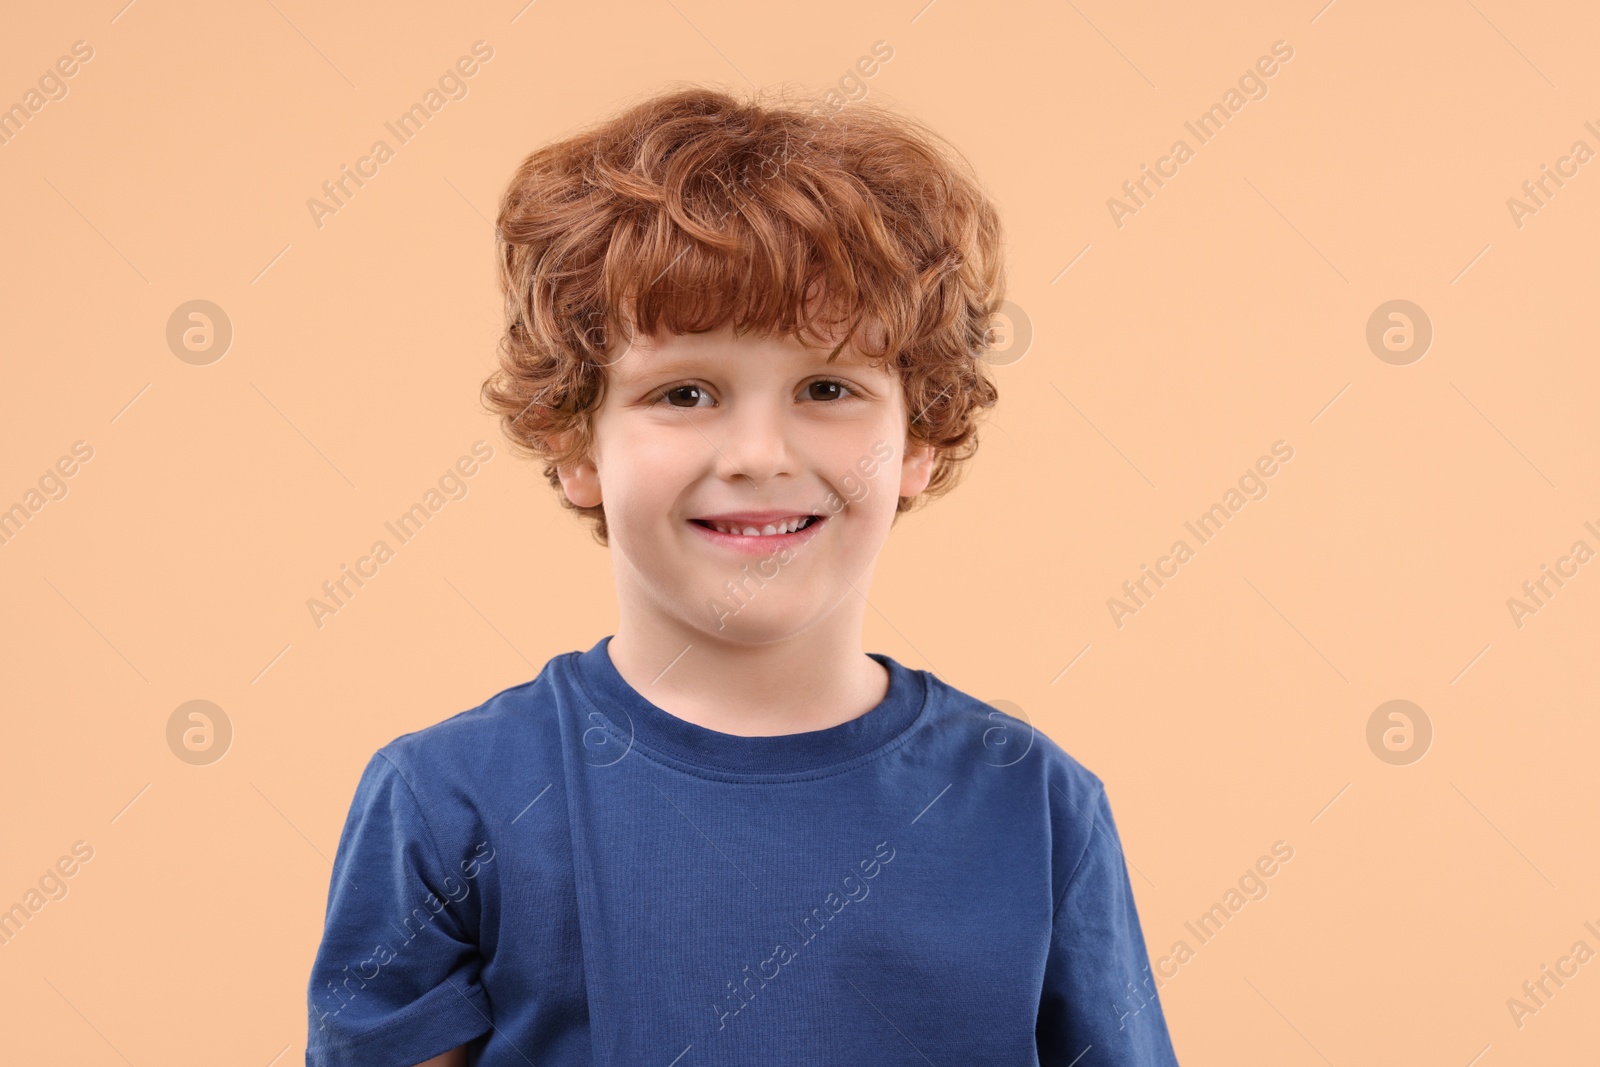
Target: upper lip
755	517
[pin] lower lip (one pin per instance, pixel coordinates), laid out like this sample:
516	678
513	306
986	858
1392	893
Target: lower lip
760	546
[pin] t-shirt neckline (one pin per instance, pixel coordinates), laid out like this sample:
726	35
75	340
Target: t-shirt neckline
636	719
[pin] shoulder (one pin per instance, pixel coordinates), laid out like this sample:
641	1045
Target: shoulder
477	755
1040	781
1010	737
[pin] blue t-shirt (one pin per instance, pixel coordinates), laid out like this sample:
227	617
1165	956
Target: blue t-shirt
567	874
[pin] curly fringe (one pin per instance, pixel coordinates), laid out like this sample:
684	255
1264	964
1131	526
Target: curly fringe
691	210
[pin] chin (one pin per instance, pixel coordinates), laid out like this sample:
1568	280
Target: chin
750	625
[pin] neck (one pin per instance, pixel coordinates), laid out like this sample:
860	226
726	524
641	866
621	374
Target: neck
798	683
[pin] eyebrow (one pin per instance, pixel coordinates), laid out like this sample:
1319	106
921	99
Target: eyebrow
687	364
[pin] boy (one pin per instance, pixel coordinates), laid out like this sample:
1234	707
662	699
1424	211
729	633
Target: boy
743	339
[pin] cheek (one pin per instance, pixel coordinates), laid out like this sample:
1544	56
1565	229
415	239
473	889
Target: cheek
858	487
645	469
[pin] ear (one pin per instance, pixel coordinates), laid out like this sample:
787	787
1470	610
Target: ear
916	468
581	483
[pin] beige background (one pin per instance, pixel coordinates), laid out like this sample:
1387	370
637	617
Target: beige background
1230	312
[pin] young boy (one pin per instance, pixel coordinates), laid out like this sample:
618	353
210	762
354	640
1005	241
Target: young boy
743	338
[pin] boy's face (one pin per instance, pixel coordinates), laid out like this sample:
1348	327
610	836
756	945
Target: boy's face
707	425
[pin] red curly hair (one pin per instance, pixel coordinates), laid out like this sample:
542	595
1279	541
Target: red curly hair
693	209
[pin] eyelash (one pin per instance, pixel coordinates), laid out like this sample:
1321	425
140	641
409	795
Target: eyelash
660	395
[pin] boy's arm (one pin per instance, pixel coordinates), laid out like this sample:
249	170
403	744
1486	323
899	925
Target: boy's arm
456	1057
397	971
1099	1006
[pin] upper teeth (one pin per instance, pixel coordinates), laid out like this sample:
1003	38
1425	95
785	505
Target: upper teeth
769	530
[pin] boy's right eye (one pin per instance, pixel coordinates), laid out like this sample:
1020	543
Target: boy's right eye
672	391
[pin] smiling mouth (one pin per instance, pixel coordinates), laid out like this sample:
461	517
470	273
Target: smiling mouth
779	529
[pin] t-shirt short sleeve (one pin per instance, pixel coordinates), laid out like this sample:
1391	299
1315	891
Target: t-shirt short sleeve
1099	1006
396	976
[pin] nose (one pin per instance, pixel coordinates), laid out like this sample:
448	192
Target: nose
754	440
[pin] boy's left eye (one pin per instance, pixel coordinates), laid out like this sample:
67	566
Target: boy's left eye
836	385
